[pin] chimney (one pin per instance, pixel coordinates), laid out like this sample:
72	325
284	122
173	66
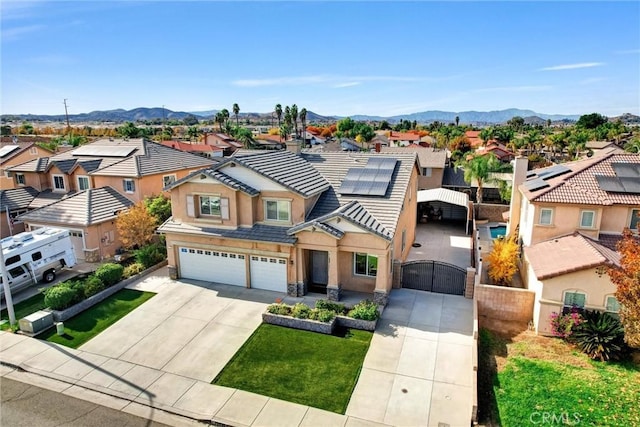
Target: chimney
520	165
378	147
294	146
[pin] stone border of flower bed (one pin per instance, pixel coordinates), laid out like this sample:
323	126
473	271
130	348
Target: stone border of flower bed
62	315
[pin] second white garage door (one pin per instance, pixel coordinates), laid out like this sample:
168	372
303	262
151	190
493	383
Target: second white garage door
213	266
269	273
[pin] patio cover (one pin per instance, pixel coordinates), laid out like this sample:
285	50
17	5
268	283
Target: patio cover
445	196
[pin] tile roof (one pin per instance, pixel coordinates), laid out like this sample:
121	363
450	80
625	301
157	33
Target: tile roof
568	254
22	147
285	168
403	136
84	208
580	185
35	165
17	198
427	157
194	148
47	197
320	225
384	210
259	232
218	176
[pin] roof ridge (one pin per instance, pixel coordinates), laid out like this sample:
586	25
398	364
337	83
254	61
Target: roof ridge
89	204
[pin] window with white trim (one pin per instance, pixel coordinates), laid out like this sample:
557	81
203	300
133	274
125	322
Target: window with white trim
277	210
573	299
83	183
365	264
58	182
128	185
209	205
426	172
20	179
168	180
587	219
546	216
612	305
634	221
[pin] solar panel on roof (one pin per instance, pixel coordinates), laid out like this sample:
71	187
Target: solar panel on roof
103	151
378	188
626	170
535	184
372	180
554	171
610	183
8	149
630	184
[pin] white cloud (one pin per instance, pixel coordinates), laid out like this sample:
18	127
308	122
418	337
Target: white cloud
328	79
348	84
573	66
592	80
541	88
627	52
16	32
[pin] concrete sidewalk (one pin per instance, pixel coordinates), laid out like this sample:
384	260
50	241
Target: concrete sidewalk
158	361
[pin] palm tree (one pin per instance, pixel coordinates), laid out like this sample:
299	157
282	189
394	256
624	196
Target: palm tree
225	116
236	110
279	113
633	146
303	120
294	117
285	129
457	120
487	134
480	169
245	136
193	132
287	116
219	119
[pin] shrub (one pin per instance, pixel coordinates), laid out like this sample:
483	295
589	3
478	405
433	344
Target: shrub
282	309
109	273
336	307
563	325
150	255
300	311
503	261
601	336
323	315
365	310
60	296
92	286
132	270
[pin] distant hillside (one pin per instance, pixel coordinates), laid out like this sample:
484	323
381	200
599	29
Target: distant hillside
466	117
627	119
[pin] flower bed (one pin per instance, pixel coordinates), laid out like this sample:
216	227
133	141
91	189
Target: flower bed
324	317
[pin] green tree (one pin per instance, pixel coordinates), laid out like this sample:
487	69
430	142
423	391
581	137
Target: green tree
303	120
517	123
278	112
345	126
480	168
193	132
128	130
219	119
5	130
363	130
487	134
591	121
294	118
285	130
190	120
633	146
457	120
159	207
384	125
224	113
245	136
236	111
577	143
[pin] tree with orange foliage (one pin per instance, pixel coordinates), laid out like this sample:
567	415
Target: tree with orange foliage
627	280
503	261
136	226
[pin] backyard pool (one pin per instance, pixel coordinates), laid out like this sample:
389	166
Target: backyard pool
498	231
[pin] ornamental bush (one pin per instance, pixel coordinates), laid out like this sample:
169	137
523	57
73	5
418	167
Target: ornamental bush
601	336
281	309
60	296
300	311
336	307
110	273
365	310
150	255
563	325
92	286
132	270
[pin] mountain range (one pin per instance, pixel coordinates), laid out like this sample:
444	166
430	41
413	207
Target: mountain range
468	117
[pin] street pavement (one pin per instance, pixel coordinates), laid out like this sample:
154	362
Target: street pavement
163	355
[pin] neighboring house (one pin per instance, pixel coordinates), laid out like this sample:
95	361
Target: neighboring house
204	150
90	217
13	202
14	153
135	167
431	162
400	139
222	141
295	222
597	198
500	151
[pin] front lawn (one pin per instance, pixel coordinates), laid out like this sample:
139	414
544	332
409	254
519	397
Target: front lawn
524	379
298	366
24	308
86	325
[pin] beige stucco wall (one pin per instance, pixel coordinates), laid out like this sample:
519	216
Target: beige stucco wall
616	218
433	181
145	186
39	181
25	156
565	220
407	219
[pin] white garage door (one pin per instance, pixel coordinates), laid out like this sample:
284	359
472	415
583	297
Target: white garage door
78	244
212	266
269	273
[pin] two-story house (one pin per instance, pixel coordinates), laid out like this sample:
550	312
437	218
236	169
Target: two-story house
14	153
292	223
127	170
431	162
569	218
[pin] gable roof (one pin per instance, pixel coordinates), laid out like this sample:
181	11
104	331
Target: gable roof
84	208
403	136
568	254
191	148
17	198
258	232
428	157
47	197
333	166
36	165
580	185
220	177
13	149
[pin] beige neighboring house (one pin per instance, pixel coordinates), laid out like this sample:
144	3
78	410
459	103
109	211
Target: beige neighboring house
222	141
14	202
295	223
569	218
90	217
431	162
15	153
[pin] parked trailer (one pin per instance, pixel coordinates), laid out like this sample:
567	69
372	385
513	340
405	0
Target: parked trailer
36	256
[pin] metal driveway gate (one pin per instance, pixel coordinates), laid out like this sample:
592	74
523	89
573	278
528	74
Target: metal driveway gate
434	276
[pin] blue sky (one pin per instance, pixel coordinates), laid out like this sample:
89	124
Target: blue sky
342	58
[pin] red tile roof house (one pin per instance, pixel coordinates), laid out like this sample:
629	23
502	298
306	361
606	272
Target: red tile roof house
473	136
569	218
400	139
222	141
499	150
200	149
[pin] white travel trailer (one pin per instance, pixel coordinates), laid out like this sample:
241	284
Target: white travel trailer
36	256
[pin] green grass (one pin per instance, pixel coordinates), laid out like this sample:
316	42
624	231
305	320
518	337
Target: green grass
24	308
86	325
298	366
538	375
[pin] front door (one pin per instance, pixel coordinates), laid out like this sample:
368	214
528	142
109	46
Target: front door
319	270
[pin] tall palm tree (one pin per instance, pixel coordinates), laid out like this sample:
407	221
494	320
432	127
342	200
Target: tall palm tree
457	120
633	146
486	134
303	120
219	119
225	116
287	116
294	118
480	169
278	113
236	111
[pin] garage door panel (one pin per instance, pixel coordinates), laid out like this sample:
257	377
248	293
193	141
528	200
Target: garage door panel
269	273
213	266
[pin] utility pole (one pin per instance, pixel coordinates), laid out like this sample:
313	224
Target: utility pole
7	289
66	113
163	125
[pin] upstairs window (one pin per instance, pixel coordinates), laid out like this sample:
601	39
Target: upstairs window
635	219
546	216
168	180
210	205
20	179
58	182
278	210
83	183
426	172
587	219
128	185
